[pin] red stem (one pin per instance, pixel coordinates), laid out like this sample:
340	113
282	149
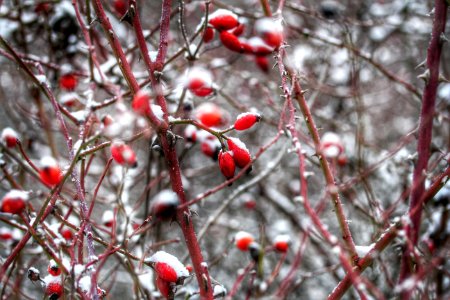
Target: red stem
425	134
184	219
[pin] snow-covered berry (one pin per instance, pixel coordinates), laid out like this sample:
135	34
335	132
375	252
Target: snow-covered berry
246	120
6	234
241	155
14	202
123	154
53	268
53	287
226	164
223	19
164	204
281	242
50	172
190	133
243	239
231	42
331	145
199	81
33	274
108	218
209	114
9	137
168	267
211	147
270	30
259	46
141	103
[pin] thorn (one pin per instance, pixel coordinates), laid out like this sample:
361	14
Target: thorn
425	75
443	38
129	15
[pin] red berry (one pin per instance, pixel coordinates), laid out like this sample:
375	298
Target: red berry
164	204
141	103
239	30
199	82
190	133
246	120
243	240
263	63
6	234
331	145
208	35
211	148
42	8
168	267
14	202
231	42
271	31
164	287
67	234
120	6
241	155
54	289
101	292
223	19
53	268
342	160
281	243
123	154
68	81
259	46
9	137
226	164
250	204
209	114
69	100
189	268
166	272
50	173
108	218
107	120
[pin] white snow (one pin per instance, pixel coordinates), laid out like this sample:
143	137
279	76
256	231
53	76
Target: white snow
85	283
51	279
47	162
219	290
264	25
222	12
282	238
146	281
363	250
41	78
241	235
16	194
239	144
157	111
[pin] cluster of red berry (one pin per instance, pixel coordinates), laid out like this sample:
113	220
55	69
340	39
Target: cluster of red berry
268	35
